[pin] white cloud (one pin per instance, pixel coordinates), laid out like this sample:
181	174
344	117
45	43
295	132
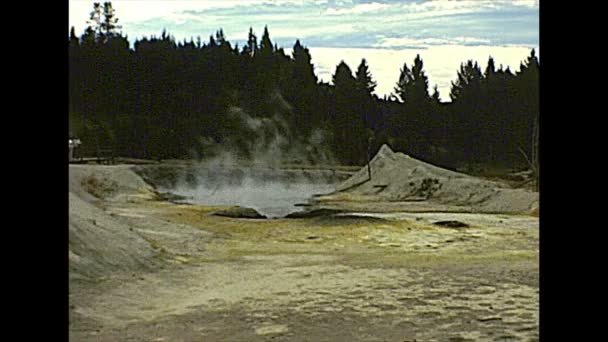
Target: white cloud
441	63
358	9
451	7
469	40
398	13
392	42
527	3
130	11
302	32
181	18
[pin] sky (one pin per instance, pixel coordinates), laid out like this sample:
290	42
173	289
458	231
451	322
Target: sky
387	33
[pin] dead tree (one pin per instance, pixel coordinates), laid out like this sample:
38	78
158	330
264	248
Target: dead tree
533	160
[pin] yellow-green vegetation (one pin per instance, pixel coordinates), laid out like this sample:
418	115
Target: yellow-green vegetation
350	240
357	240
345	196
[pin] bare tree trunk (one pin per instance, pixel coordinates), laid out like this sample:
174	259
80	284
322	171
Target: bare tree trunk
535	158
533	161
369	151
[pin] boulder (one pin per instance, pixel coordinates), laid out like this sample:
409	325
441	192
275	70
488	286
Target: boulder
451	224
240	212
310	213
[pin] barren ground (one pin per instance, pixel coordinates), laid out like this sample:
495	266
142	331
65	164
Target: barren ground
373	277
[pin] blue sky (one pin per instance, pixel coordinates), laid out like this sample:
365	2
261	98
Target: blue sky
386	33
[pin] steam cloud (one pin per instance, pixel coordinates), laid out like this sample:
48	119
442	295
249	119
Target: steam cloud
267	141
249	168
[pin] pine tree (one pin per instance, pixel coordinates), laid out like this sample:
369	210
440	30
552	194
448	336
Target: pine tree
365	87
468	108
435	97
252	44
95	20
405	78
490	69
109	25
301	89
468	82
413	84
266	47
348	129
102	22
220	38
364	78
267	64
343	77
413	121
73	38
530	64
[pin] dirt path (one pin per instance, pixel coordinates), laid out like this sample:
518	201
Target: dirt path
393	277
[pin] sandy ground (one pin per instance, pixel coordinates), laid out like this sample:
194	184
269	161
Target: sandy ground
146	270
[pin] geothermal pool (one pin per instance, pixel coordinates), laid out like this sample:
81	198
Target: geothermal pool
272	192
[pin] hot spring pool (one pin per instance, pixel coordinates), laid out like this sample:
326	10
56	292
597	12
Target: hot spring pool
272	192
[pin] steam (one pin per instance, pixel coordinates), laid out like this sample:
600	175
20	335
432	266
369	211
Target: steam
265	167
273	193
266	141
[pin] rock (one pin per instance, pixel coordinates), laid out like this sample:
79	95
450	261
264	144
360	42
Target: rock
489	318
314	213
349	219
274	329
240	212
451	224
170	197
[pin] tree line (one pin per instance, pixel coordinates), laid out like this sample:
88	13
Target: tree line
165	98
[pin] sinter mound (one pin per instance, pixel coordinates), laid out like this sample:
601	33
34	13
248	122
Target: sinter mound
396	177
100	243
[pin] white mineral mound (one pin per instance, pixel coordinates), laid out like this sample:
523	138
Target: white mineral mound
399	177
99	243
